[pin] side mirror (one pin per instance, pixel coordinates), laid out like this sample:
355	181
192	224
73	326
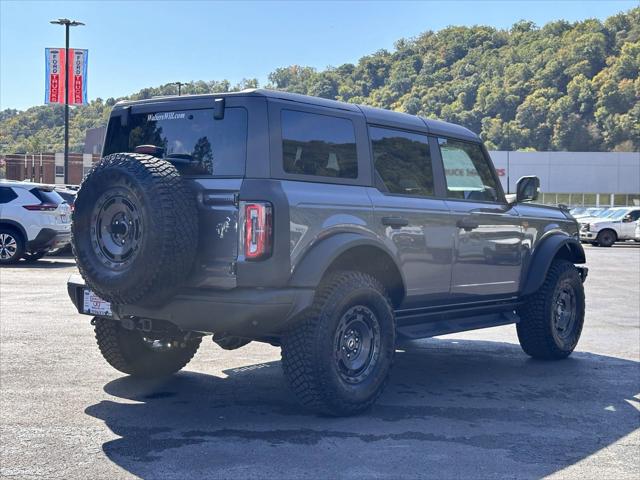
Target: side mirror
527	189
627	218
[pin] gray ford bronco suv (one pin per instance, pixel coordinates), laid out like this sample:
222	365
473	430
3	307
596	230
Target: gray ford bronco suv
329	229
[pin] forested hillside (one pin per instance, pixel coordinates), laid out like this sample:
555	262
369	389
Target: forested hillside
563	86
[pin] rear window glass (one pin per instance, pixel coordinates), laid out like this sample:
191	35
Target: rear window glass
319	145
218	146
47	196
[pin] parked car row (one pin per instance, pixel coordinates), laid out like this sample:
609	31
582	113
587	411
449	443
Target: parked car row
34	220
610	226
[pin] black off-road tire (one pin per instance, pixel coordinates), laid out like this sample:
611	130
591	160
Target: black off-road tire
310	350
10	255
162	231
538	332
606	238
126	351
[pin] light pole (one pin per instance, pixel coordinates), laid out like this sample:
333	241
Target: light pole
67	23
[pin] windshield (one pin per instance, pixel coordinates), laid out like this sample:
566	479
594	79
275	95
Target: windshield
218	145
605	213
618	214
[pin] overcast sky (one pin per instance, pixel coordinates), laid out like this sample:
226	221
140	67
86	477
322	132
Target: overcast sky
139	44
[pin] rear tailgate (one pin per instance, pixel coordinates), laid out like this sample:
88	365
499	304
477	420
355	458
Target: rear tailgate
217	232
53	209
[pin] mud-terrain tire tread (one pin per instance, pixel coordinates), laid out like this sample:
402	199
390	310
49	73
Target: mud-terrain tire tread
179	229
110	337
534	328
298	347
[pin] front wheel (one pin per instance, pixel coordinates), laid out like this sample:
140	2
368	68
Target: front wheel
134	353
338	357
606	238
551	319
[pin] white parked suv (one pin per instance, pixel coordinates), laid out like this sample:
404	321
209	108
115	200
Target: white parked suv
33	220
618	225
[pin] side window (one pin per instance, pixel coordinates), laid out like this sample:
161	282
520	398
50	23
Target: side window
7	194
469	174
319	145
402	162
635	215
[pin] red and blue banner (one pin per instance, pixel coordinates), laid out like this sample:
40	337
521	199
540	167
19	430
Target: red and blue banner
56	62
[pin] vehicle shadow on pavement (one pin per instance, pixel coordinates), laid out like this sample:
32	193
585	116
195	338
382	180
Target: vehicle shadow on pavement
42	264
453	408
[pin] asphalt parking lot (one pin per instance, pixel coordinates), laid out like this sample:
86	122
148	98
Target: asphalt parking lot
470	405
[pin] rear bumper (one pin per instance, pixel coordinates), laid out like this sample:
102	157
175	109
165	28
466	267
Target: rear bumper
246	312
49	238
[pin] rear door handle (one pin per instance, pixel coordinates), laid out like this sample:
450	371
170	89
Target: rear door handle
395	222
467	224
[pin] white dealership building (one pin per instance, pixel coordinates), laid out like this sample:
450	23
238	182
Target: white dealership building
575	178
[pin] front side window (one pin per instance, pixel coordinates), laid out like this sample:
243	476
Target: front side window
319	145
218	146
468	172
402	162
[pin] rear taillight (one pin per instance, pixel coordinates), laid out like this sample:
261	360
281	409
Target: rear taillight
258	230
41	207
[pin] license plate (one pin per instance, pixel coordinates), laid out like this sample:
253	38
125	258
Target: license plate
94	305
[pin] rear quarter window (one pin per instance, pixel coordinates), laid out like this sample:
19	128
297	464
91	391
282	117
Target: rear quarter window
318	145
47	196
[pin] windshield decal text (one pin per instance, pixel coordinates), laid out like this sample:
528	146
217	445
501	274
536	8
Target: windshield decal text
165	116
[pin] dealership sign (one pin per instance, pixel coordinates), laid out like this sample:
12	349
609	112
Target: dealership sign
55	65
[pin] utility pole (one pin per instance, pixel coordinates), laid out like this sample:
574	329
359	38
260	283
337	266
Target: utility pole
179	84
67	23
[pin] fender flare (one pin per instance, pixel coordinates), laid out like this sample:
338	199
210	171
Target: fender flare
311	268
18	227
542	257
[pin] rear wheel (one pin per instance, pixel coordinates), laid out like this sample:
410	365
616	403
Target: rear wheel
140	354
337	358
11	246
551	319
606	238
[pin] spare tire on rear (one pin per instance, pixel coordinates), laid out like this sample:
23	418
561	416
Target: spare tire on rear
135	229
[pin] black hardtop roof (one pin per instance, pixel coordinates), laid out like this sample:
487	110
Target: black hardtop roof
377	116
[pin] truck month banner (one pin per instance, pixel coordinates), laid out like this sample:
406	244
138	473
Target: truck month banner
55	64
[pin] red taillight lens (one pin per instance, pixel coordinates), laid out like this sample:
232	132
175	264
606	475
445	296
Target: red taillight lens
258	230
42	207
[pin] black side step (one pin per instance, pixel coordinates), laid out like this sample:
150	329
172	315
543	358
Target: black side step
454	325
